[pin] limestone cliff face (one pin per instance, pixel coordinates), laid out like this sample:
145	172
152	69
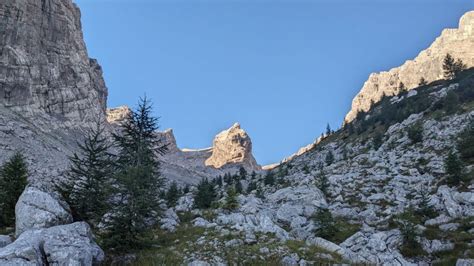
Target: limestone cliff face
44	65
232	146
428	65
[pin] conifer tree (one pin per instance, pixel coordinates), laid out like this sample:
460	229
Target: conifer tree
328	130
259	193
454	167
242	173
205	194
88	186
448	67
269	179
231	202
329	158
325	225
13	180
186	189
422	82
251	187
452	67
172	195
425	209
451	102
238	187
465	144
322	182
253	175
138	179
401	87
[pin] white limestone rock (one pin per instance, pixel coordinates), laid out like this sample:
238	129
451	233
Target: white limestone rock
70	244
37	209
170	220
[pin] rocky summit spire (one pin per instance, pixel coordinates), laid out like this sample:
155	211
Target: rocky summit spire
232	146
428	65
44	65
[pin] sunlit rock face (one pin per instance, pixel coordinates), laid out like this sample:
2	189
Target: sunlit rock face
428	65
232	146
44	65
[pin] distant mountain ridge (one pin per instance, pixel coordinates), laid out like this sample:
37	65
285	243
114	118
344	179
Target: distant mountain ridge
232	149
428	65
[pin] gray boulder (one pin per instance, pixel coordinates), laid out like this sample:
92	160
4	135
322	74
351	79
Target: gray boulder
5	241
185	203
170	221
70	244
37	209
465	262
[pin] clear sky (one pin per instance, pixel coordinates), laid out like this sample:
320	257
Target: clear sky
283	69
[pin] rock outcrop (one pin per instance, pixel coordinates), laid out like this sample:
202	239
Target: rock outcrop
232	146
428	65
37	209
44	65
70	244
118	114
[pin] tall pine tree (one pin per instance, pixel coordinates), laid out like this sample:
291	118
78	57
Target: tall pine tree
138	180
13	180
88	187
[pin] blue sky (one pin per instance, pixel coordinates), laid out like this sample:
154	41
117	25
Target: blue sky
283	69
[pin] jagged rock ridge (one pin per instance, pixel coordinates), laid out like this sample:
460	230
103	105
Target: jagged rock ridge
232	149
428	65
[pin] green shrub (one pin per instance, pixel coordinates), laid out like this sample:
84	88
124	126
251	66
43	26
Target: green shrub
205	194
454	168
269	179
231	202
415	133
451	102
465	143
377	140
326	226
329	158
173	194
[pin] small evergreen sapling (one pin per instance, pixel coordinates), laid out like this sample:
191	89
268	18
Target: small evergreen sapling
454	168
325	225
231	201
13	180
329	158
465	143
173	194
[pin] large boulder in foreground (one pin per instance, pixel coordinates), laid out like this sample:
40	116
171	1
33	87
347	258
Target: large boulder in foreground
70	244
37	209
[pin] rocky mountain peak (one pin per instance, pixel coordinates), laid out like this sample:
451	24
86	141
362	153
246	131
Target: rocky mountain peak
232	146
44	65
117	114
466	23
428	65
